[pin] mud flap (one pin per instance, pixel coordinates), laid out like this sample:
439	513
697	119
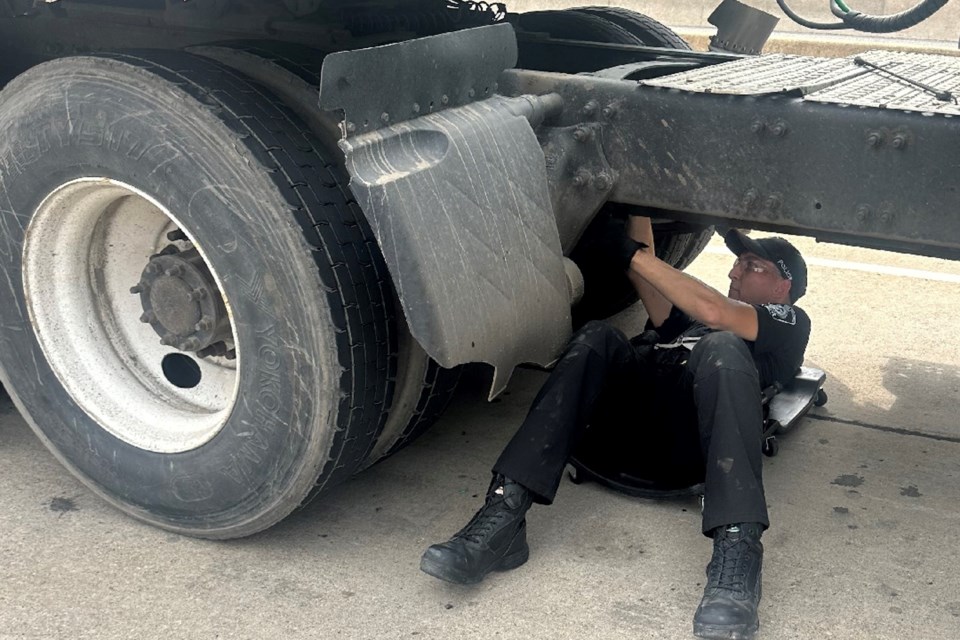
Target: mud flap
457	198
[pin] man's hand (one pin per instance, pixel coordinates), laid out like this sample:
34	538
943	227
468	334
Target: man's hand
627	248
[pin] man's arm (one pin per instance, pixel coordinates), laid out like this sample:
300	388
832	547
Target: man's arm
658	307
693	297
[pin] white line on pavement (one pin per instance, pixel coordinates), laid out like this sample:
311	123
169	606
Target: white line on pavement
869	268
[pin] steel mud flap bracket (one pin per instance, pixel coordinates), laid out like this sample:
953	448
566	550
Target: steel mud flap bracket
453	182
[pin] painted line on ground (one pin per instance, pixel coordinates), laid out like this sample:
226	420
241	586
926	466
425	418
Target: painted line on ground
866	267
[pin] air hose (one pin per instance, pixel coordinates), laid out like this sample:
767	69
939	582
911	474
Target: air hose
857	21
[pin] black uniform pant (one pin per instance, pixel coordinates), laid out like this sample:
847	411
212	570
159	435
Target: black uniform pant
701	420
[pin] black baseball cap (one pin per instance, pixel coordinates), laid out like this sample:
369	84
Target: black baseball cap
779	251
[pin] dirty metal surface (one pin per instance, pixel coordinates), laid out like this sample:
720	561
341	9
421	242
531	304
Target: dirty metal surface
879	89
775	73
833	80
399	82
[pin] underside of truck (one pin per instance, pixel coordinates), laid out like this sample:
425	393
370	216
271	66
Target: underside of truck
248	246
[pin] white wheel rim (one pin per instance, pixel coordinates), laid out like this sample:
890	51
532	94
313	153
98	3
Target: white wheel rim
85	247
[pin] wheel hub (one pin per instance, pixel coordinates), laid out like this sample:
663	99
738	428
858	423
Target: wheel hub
182	303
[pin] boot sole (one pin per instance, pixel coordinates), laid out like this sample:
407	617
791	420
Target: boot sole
443	572
712	632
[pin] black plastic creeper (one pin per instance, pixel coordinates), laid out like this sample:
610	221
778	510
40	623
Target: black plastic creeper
728	610
494	540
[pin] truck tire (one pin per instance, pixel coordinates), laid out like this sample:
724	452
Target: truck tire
101	157
607	290
292	72
650	32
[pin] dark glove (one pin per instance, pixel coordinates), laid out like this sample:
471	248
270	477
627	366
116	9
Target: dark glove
625	251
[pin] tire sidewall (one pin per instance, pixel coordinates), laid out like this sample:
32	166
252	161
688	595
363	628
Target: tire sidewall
94	117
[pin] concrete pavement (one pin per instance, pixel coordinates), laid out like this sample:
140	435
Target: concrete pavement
864	498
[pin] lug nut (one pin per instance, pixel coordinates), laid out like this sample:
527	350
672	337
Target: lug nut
168	340
174	271
136	289
204	325
231	355
192	344
198	294
152	268
148	317
176	235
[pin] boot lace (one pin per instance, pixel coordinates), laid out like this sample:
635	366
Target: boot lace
728	570
485	521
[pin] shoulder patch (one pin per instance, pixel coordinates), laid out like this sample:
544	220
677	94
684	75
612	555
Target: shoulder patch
782	313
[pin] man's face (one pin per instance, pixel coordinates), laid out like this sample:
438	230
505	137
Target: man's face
755	280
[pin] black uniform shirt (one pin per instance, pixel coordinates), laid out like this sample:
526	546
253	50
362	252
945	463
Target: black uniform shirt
782	334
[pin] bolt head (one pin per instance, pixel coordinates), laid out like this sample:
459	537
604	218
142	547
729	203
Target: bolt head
385	117
899	142
756	126
136	289
174	271
148	317
602	182
198	294
416	107
205	324
192	344
152	268
168	340
444	99
874	139
472	93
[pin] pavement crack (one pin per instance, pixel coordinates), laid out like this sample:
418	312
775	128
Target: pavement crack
879	427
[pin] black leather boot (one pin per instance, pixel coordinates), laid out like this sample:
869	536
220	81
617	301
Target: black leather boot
732	595
495	539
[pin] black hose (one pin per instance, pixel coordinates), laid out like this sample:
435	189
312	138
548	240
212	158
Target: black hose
895	22
803	22
858	21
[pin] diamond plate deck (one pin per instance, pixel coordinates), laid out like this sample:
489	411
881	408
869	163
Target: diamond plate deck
878	89
831	80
